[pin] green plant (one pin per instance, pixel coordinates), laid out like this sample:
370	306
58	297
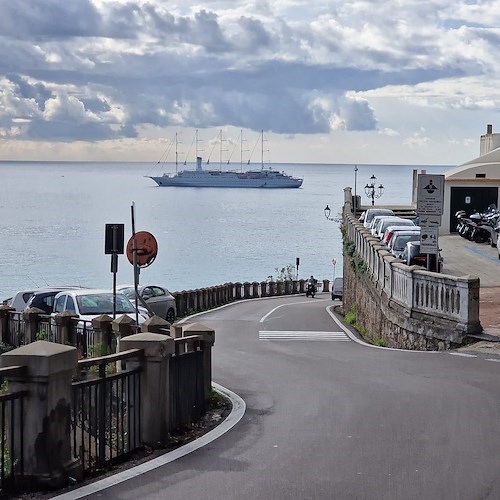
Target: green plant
286	273
42	335
379	342
350	317
361	329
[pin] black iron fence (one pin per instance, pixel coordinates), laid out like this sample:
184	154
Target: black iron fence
106	416
187	402
11	435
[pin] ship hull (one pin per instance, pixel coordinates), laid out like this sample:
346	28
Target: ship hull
223	180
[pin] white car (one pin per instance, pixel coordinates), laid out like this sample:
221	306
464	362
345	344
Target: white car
373	212
88	304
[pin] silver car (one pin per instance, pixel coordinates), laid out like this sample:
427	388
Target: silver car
157	298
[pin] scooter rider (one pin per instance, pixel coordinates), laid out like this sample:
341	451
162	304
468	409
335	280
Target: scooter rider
311	286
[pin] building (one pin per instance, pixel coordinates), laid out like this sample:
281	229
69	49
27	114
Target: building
474	185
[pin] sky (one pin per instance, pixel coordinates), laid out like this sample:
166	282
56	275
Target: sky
330	81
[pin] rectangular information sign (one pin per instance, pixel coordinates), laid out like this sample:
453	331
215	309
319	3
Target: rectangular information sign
430	194
429	240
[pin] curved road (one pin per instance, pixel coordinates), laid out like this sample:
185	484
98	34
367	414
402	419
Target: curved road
330	418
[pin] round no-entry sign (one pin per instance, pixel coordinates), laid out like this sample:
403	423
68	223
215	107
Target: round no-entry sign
146	248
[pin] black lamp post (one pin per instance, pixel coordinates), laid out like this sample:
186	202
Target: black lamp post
372	191
328	212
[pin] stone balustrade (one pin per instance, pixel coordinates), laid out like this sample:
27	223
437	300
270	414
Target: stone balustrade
442	309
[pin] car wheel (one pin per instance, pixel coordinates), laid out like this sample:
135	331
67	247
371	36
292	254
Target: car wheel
170	316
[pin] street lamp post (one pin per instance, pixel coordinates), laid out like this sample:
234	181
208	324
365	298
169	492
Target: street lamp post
355	189
372	190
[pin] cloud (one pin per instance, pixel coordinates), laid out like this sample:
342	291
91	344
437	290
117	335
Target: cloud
74	70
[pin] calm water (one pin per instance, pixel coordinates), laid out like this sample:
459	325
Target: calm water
53	217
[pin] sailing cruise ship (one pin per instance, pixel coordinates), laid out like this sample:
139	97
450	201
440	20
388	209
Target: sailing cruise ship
265	178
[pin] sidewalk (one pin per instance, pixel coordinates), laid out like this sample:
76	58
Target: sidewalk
463	257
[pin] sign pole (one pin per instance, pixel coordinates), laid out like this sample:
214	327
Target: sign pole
136	269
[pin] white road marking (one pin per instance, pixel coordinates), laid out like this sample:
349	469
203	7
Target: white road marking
462	354
495	360
283	305
303	335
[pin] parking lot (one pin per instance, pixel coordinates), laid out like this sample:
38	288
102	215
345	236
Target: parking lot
463	257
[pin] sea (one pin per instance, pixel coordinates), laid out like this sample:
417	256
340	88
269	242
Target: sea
53	217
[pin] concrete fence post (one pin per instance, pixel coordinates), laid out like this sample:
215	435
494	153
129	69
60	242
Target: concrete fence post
46	446
237	294
103	335
302	286
155	383
64	328
31	318
263	289
255	289
326	285
5	313
246	290
288	287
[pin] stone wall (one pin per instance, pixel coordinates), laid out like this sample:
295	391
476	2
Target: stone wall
402	306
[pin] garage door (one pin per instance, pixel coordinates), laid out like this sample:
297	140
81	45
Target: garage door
471	199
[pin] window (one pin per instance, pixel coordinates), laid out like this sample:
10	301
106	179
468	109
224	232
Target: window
59	308
480	176
70	305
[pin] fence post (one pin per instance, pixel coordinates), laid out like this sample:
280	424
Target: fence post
207	335
4	323
64	328
30	317
326	285
46	446
103	335
155	383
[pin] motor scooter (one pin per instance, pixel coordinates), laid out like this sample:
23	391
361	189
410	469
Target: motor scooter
311	290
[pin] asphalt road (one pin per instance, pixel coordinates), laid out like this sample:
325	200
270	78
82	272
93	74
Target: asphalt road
330	418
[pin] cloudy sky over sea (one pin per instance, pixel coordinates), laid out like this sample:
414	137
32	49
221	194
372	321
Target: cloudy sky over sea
330	81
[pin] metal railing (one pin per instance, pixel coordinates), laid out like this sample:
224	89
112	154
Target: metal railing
11	434
106	410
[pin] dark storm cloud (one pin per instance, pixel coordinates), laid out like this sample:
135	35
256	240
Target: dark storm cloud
48	18
118	66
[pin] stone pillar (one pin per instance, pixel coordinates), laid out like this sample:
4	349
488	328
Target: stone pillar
103	335
295	286
246	290
288	287
208	340
4	323
237	294
263	289
272	285
48	460
155	383
279	288
176	330
64	328
31	317
326	285
255	289
156	325
302	288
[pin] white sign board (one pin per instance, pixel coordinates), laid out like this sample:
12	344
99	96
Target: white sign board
429	240
430	194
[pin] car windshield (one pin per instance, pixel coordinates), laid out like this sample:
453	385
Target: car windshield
102	303
401	241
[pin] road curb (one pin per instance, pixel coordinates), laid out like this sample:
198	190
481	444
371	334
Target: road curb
237	411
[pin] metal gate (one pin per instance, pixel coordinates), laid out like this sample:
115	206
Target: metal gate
470	199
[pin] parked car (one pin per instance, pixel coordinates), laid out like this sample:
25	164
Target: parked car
391	230
372	212
389	222
88	304
21	298
377	222
413	257
399	241
156	298
338	288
